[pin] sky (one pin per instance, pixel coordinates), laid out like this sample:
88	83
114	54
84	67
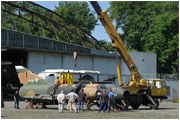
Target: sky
99	32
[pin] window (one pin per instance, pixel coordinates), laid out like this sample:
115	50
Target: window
154	84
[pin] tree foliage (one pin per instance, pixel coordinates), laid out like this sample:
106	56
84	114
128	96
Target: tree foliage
10	21
150	27
80	15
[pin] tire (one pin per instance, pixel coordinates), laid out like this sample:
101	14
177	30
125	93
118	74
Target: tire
135	106
157	103
127	104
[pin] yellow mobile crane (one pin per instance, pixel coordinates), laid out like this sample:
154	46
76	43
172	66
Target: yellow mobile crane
146	92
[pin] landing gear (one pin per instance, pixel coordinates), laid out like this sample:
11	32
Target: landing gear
91	103
32	104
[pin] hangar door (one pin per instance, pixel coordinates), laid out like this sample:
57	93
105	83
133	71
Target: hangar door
17	57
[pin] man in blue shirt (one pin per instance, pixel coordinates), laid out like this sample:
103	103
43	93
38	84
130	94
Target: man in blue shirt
111	101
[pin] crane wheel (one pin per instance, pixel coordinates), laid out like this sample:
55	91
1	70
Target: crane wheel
157	103
127	104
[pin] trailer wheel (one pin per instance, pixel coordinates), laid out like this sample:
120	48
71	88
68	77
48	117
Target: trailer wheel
135	106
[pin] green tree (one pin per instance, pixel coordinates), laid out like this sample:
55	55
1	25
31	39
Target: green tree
163	39
80	15
150	27
11	21
76	12
8	21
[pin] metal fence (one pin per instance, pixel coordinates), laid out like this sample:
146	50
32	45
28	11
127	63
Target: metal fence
168	76
155	76
10	38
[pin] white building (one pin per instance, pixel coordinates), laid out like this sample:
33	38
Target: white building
104	62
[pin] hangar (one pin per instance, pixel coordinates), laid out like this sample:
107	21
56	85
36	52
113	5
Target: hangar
37	54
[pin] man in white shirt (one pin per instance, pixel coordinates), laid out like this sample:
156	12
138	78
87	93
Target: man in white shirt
71	103
61	101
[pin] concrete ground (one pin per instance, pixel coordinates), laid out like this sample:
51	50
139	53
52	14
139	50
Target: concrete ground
166	110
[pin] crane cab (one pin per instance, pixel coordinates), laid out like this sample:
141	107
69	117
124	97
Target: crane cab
158	88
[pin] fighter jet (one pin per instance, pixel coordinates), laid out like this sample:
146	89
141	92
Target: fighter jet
37	90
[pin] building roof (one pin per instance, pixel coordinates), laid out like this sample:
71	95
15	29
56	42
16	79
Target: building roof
11	39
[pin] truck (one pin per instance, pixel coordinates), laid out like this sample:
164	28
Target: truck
142	91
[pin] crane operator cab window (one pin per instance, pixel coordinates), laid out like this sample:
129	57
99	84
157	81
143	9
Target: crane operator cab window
159	84
154	84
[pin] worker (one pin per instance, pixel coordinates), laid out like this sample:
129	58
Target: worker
61	101
56	84
78	87
111	101
16	100
72	96
82	98
103	101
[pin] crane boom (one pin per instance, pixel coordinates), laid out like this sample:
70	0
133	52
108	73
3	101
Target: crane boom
117	42
141	91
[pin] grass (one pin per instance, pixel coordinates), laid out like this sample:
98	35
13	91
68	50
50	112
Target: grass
53	114
167	111
175	101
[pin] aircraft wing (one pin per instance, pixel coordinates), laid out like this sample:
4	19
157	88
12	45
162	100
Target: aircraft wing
111	79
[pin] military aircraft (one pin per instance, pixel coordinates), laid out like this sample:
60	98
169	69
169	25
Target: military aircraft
37	90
